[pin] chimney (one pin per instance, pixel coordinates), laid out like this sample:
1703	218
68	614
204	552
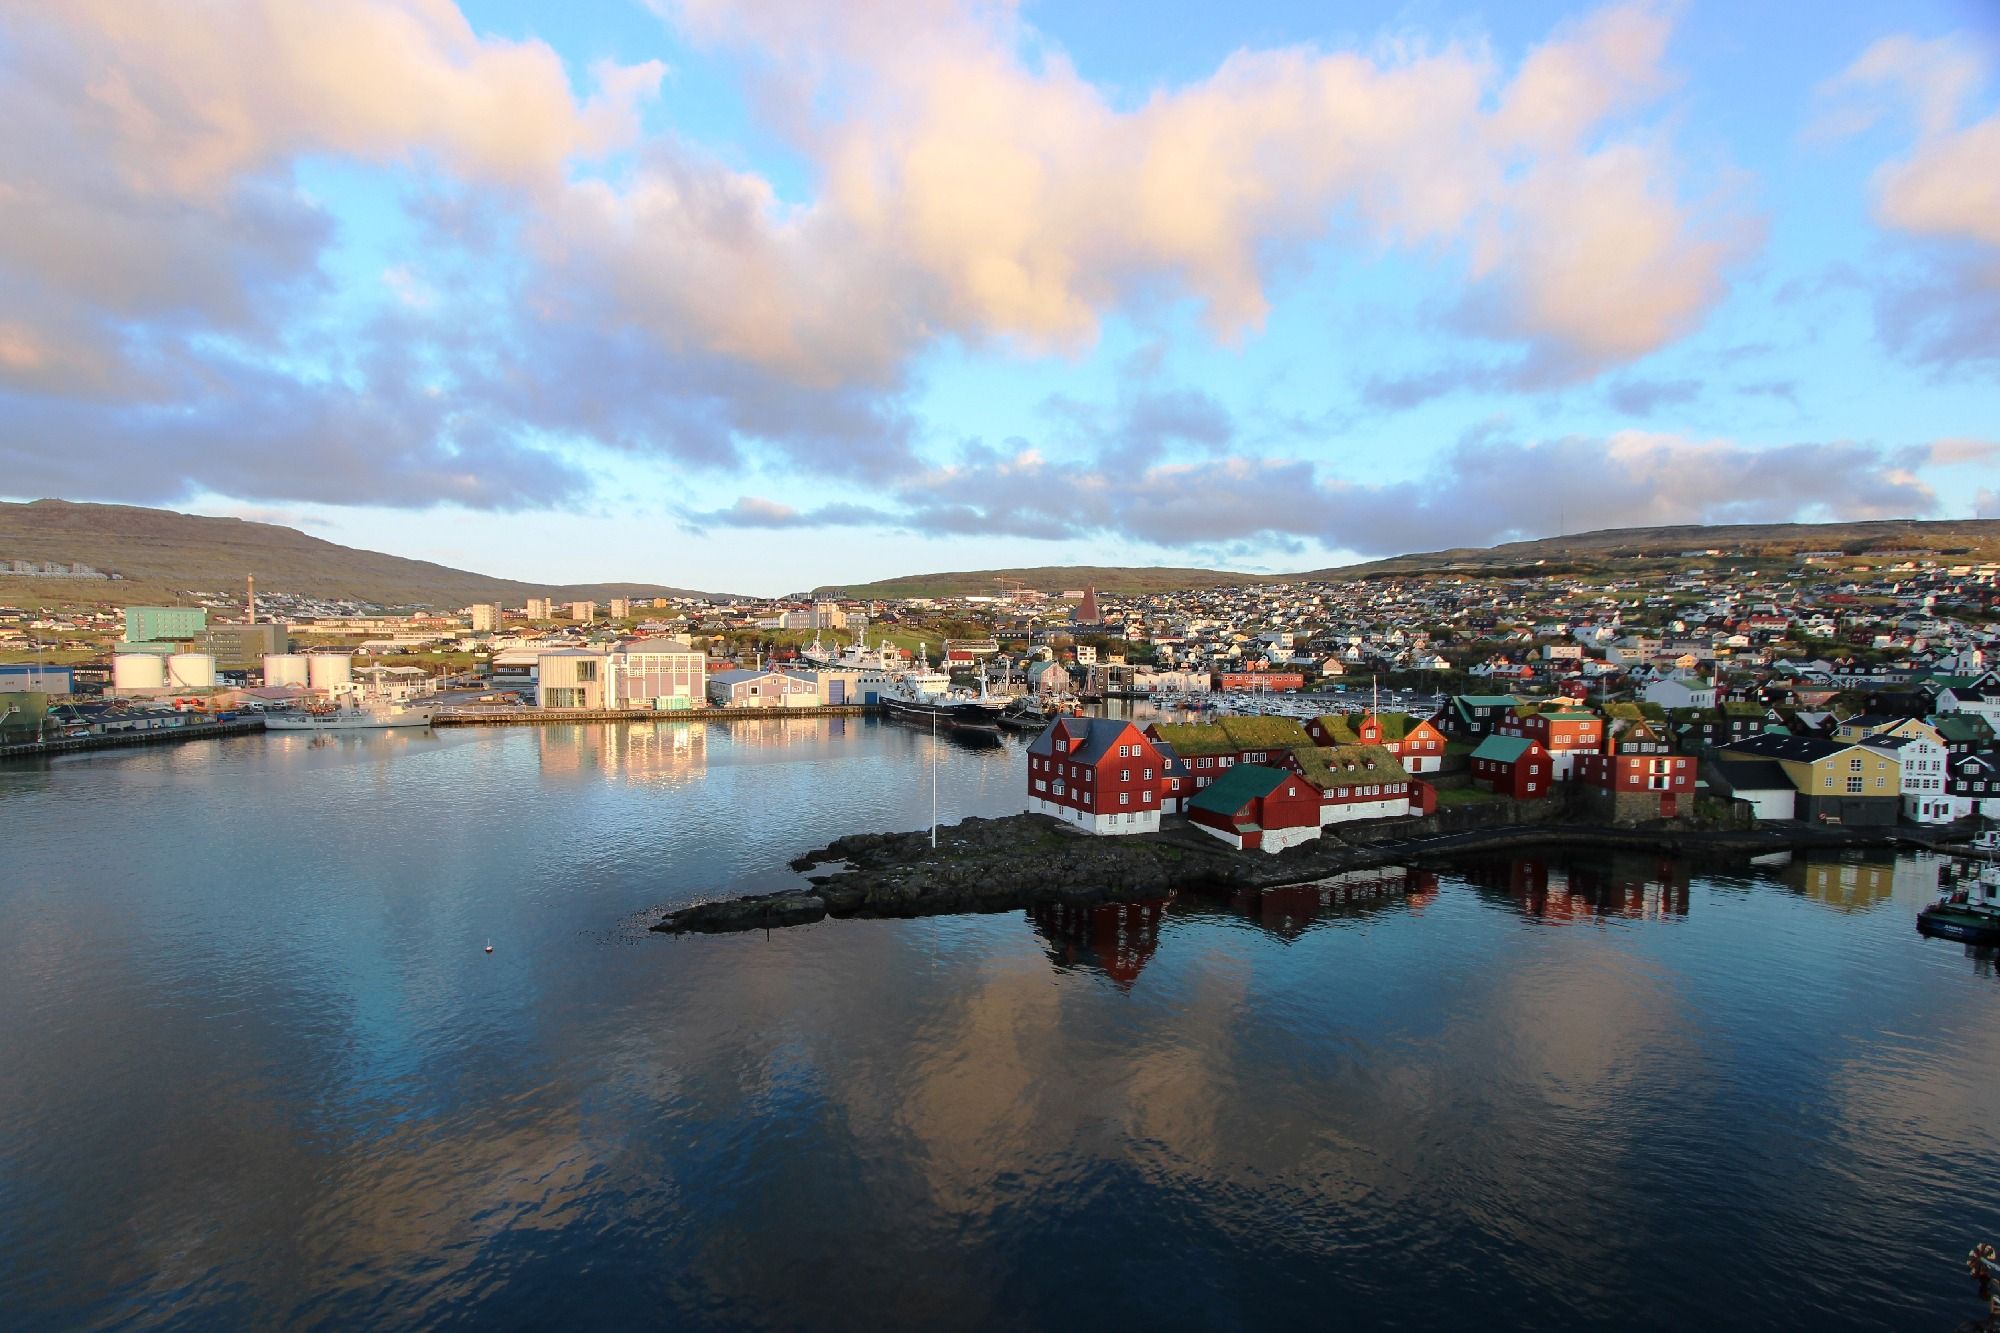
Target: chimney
253	599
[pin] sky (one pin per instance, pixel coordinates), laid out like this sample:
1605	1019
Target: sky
778	294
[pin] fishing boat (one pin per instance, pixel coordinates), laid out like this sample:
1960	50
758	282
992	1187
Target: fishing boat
1968	904
922	698
350	717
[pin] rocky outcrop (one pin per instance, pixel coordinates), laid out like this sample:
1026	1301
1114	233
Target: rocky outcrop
996	865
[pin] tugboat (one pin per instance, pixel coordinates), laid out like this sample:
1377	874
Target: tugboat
1968	905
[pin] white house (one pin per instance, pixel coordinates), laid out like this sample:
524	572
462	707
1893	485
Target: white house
1680	692
1926	798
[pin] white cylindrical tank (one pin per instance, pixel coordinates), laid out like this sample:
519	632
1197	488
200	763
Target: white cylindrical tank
286	669
138	671
330	670
191	671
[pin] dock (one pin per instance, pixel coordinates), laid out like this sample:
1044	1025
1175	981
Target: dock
530	717
191	730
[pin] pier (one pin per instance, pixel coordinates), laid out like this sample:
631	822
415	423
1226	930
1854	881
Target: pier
507	717
193	729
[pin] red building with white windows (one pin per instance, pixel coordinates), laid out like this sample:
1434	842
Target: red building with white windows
1417	744
1100	774
1638	785
1512	766
1563	731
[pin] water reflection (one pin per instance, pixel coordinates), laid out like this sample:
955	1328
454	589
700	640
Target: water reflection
1863	881
258	1071
1559	888
1113	938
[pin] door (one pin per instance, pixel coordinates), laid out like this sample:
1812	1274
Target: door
837	693
1669	805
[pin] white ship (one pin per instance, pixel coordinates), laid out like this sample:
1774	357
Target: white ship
363	717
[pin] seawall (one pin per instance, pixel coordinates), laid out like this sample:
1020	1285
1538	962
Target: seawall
992	865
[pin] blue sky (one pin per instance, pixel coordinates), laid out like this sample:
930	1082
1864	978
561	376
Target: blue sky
769	295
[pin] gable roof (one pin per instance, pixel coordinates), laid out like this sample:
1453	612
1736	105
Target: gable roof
1336	767
1798	749
1098	734
1962	727
1242	784
1739	775
1339	726
1502	749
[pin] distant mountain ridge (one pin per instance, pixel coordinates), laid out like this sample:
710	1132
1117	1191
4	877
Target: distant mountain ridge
1976	538
159	551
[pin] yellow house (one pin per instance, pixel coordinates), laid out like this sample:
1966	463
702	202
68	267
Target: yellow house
1862	726
1838	782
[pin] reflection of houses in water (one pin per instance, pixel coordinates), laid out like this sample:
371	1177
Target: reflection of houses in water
1857	884
1631	888
1290	910
669	750
1113	938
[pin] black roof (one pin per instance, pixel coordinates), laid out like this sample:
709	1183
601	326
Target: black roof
1751	775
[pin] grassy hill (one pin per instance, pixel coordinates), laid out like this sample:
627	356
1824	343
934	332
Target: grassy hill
1974	539
162	553
1045	578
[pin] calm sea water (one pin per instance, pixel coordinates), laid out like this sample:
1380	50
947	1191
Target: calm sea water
256	1067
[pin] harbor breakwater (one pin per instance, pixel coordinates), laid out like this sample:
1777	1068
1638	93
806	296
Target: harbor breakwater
996	865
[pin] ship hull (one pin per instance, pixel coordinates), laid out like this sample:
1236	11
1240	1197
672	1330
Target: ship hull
416	717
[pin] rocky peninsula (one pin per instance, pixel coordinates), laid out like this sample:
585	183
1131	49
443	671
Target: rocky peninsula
995	865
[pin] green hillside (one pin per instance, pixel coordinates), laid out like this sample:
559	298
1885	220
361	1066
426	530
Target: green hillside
161	553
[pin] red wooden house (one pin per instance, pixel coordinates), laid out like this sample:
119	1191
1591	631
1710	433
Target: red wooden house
1638	784
1416	743
1100	774
1513	766
1252	808
1563	731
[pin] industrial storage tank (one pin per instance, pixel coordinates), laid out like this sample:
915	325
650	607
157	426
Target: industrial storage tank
191	671
138	671
330	671
286	669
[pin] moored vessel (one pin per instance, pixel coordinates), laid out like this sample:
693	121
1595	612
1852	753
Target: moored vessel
1968	904
363	717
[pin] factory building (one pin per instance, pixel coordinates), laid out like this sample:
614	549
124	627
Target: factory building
164	624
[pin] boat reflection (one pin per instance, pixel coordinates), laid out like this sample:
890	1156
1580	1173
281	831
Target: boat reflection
1586	888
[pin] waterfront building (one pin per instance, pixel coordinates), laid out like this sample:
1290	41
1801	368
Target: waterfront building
1924	762
672	679
1636	784
761	689
572	678
1358	782
33	678
1415	742
1255	808
1101	774
1838	783
164	624
1513	766
1761	783
244	647
1563	732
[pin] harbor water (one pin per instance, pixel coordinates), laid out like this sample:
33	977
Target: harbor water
257	1067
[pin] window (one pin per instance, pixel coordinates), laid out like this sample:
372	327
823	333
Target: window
586	671
1124	775
1854	765
1880	783
1146	797
1124	798
1854	786
1148	774
1291	791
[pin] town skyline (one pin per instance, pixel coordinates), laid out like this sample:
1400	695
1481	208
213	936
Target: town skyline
688	292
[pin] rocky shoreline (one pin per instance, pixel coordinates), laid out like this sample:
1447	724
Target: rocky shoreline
997	865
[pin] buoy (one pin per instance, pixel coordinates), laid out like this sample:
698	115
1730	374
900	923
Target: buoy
489	948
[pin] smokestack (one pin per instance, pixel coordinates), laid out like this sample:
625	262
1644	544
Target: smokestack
253	599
